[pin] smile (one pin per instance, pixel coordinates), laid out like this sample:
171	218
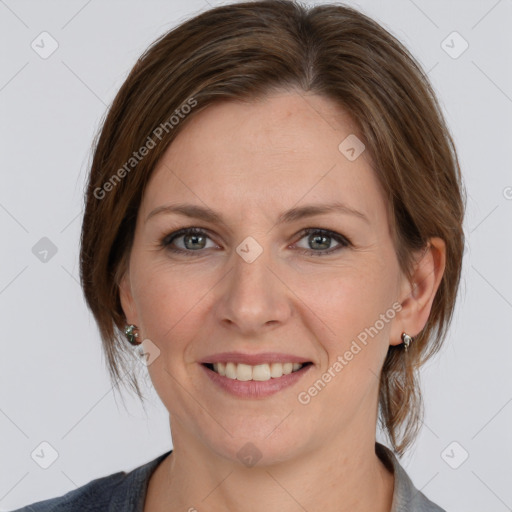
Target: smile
259	372
254	381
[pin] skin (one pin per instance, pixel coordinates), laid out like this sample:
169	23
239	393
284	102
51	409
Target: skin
250	162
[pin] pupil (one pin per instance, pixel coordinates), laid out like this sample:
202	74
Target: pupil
323	237
194	238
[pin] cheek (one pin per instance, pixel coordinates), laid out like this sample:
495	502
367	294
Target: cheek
352	309
168	300
168	304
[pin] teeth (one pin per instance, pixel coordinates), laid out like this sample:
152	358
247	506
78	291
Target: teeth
260	372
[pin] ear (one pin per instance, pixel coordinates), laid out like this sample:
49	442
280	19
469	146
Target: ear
417	296
126	298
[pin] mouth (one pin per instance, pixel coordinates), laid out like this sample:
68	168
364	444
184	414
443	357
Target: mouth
259	372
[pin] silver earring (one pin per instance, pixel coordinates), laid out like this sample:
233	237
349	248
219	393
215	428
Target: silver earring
407	340
132	333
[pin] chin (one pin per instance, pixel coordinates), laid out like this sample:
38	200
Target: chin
251	448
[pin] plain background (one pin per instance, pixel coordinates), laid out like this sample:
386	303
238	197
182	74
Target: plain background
53	381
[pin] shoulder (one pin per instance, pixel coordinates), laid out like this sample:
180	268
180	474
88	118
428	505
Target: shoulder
420	503
118	491
406	498
93	496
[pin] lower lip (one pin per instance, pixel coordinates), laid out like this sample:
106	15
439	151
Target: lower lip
255	388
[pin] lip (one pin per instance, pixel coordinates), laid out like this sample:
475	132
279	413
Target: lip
252	389
253	359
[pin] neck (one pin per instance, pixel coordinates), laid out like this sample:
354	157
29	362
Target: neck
339	475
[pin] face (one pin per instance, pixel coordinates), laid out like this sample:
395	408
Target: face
314	287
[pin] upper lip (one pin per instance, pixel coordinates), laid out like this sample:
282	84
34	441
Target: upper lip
253	359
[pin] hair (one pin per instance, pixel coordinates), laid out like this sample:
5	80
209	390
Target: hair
243	52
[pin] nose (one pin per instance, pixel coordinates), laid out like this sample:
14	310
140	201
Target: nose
254	297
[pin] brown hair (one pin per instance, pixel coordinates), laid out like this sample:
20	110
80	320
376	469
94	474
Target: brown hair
244	51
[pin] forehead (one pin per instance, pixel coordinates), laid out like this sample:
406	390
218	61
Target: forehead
272	153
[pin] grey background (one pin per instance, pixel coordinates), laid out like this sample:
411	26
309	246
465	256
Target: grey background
54	386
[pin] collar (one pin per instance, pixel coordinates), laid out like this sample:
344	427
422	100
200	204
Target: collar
406	497
130	493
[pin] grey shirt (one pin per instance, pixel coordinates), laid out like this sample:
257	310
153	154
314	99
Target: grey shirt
126	492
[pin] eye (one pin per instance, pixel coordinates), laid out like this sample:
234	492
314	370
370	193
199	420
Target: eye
322	239
190	240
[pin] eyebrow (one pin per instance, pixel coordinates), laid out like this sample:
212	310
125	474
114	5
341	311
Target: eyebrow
292	215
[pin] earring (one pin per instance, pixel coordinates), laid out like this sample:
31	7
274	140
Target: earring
407	340
131	333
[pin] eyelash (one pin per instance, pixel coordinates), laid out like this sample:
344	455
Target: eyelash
343	241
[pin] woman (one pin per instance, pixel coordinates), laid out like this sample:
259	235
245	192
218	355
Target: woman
274	219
